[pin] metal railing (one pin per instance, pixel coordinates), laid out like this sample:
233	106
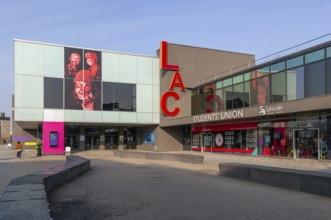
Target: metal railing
265	59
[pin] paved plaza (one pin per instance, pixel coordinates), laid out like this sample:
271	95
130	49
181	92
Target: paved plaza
119	188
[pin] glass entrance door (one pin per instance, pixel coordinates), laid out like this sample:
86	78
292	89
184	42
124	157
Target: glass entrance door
306	143
206	140
111	141
92	142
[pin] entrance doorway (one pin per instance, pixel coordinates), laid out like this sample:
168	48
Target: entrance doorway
206	140
92	142
306	143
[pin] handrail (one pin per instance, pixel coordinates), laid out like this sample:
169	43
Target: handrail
256	62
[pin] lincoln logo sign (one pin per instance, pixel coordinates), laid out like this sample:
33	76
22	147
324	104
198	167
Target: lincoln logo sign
267	110
175	82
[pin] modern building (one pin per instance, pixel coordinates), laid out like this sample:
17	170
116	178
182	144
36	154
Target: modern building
92	99
4	129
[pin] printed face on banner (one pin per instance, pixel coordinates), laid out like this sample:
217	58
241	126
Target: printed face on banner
82	79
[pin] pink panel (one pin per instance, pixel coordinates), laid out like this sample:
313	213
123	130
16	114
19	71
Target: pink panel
49	127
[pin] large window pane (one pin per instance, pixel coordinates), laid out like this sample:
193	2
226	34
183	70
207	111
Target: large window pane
108	103
263	90
126	97
278	87
227	82
119	97
247	76
253	92
328	52
315	79
278	67
328	75
263	71
294	62
219	85
195	105
314	56
237	79
295	83
221	103
53	93
246	94
238	96
228	97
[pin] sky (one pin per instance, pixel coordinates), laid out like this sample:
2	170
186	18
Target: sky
259	27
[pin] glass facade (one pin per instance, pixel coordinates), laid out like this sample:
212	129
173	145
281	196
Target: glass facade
296	78
300	135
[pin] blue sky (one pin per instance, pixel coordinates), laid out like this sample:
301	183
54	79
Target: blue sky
256	27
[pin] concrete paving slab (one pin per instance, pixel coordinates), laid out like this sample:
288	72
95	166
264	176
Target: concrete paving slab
18	210
23	195
25	187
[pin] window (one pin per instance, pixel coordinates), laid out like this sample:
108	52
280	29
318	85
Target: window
53	93
227	82
278	67
328	52
263	71
263	90
247	76
294	62
314	56
328	75
247	94
219	84
237	79
315	79
228	95
295	83
238	96
119	97
278	87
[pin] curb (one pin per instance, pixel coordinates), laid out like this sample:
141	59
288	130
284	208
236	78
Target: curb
299	180
184	158
26	197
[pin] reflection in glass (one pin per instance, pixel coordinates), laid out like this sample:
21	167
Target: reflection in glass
119	97
315	79
263	90
278	86
295	83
